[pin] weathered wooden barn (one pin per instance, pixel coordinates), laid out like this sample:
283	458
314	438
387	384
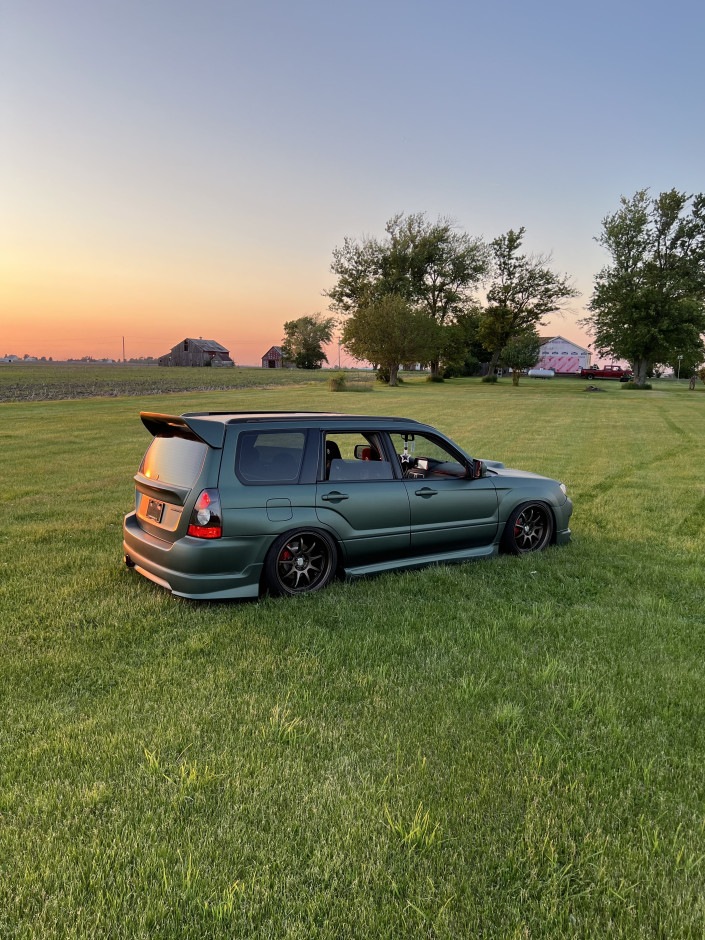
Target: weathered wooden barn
197	352
274	359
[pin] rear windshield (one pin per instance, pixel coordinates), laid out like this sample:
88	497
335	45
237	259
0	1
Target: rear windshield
175	460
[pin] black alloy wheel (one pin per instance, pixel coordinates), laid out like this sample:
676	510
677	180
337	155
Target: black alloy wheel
528	529
300	562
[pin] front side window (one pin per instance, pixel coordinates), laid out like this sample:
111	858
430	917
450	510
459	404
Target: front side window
269	456
351	456
175	460
422	456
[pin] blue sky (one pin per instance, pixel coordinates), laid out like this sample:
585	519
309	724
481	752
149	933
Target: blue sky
187	168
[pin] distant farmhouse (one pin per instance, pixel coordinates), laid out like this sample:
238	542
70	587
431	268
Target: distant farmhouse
274	359
197	352
562	356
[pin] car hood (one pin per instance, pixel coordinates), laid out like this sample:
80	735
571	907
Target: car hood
502	471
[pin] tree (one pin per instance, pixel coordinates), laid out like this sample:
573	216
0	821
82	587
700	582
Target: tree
390	331
462	351
521	352
431	265
690	362
303	339
648	303
523	291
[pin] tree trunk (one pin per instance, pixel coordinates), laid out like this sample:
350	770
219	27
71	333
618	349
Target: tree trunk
393	369
435	367
493	362
515	376
640	373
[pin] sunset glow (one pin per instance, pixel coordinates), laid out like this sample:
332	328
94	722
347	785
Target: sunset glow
190	175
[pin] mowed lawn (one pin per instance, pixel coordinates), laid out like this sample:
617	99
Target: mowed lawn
512	748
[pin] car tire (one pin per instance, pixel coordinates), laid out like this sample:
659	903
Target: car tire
590	376
299	562
528	529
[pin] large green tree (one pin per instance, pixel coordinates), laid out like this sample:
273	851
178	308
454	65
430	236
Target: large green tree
304	338
523	291
462	351
648	304
389	331
431	265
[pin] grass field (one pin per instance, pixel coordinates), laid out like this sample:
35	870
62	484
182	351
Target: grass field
512	748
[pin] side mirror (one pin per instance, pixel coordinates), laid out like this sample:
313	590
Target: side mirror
365	452
478	470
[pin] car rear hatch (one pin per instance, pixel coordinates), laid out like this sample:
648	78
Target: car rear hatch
182	460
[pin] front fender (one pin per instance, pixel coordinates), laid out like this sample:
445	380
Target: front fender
511	495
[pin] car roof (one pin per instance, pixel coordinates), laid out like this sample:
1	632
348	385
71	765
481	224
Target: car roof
239	417
210	426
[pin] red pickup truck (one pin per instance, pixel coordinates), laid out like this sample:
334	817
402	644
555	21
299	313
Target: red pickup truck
607	372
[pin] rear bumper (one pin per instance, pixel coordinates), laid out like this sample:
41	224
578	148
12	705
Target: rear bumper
195	568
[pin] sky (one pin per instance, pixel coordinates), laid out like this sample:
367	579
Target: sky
173	169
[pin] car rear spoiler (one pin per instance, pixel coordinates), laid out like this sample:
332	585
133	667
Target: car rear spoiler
210	432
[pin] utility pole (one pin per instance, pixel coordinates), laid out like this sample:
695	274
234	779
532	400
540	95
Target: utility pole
123	350
678	377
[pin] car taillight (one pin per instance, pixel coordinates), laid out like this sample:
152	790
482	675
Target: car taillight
206	517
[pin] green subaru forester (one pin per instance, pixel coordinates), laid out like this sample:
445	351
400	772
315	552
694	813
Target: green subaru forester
230	504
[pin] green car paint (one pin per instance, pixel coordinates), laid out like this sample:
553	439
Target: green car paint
228	504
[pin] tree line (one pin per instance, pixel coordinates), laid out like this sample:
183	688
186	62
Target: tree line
413	294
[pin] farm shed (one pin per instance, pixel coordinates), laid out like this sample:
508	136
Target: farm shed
274	359
197	352
562	355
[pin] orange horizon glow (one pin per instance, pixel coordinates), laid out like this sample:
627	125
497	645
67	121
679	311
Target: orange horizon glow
62	318
64	304
246	346
70	311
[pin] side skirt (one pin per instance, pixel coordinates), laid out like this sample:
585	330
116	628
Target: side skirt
422	561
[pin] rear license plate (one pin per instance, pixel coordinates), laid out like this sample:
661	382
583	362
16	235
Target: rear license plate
155	508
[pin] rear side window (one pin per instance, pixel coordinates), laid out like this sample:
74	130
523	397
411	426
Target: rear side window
175	460
269	456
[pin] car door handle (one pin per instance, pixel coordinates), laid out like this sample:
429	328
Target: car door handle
334	496
426	491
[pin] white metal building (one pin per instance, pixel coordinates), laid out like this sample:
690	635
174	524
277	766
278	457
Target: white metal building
562	355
